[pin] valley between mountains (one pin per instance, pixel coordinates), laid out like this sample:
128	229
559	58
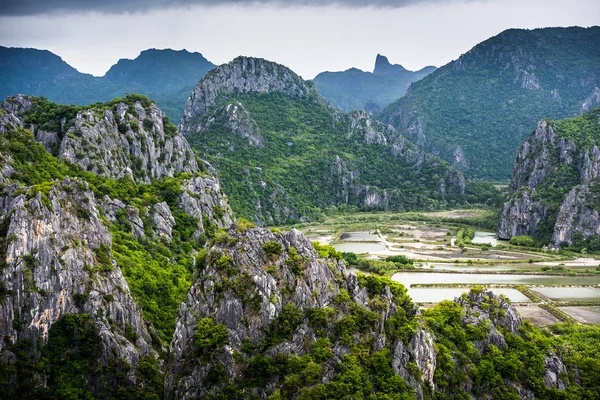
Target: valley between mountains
273	237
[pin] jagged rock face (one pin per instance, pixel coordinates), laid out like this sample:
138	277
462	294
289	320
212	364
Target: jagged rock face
122	141
554	371
56	245
521	216
487	306
592	101
58	262
163	220
243	74
265	284
421	351
235	117
203	198
371	132
577	215
551	160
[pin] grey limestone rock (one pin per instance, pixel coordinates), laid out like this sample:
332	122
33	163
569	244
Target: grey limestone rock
245	75
114	142
266	285
555	372
53	268
543	154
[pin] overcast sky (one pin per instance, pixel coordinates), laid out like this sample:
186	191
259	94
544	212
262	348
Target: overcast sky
308	36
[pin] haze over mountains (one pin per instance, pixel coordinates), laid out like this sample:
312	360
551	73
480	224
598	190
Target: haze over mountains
354	89
168	76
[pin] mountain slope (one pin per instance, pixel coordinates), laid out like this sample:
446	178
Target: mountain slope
283	154
166	75
95	260
354	89
556	184
477	110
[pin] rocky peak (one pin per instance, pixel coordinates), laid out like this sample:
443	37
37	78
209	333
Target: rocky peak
486	305
130	138
235	117
243	75
256	280
384	67
371	131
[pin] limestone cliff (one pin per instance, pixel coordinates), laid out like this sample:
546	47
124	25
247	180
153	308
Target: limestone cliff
242	75
553	188
276	299
81	251
128	137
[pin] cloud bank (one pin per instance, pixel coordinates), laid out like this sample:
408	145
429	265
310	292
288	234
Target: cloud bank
38	7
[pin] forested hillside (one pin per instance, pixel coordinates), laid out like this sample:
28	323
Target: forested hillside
476	111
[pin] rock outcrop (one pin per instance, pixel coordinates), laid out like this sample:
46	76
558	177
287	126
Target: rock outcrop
553	188
254	282
58	262
130	138
58	233
242	75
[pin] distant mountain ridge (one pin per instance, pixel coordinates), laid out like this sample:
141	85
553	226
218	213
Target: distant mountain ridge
355	89
168	76
476	111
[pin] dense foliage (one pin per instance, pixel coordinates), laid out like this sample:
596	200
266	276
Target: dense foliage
362	373
522	361
293	170
490	99
70	362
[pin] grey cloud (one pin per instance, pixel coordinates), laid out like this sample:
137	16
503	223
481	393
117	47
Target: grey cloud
37	7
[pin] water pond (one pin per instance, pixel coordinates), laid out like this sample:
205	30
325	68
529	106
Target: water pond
481	238
360	247
363	236
408	278
359	243
435	295
570	294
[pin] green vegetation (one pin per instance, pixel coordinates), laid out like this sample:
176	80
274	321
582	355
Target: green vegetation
70	362
464	236
158	272
521	361
293	168
210	335
388	266
363	373
272	248
494	89
525	241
